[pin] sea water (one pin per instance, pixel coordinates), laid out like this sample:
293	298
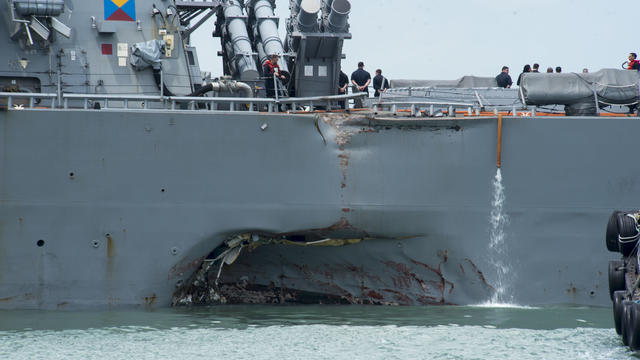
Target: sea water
314	332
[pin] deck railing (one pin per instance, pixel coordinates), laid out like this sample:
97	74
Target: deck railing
23	101
132	102
15	100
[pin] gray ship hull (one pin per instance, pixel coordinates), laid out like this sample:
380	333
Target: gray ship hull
128	204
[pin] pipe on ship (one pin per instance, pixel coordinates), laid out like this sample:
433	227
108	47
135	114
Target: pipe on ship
339	16
39	7
270	43
239	49
308	15
225	86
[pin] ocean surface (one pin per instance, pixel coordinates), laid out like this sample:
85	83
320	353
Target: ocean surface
314	332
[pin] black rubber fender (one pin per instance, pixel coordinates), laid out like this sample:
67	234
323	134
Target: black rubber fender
616	277
625	326
627	229
611	237
618	297
634	330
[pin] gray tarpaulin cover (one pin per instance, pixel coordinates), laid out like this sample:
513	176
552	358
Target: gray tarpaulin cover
619	87
147	54
463	82
39	7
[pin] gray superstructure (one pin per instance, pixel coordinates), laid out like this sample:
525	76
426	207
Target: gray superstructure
114	192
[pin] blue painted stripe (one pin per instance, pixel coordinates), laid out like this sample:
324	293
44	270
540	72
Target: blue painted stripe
109	8
130	8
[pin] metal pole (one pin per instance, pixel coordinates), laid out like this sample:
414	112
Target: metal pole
59	88
275	85
499	156
595	95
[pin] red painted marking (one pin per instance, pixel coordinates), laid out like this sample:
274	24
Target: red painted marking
119	15
107	49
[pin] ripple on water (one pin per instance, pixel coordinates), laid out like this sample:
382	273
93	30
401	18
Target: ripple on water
314	341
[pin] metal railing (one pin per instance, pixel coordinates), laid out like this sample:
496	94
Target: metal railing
477	98
33	99
145	102
415	106
170	103
430	101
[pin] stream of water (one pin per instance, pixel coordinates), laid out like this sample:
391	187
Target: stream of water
498	249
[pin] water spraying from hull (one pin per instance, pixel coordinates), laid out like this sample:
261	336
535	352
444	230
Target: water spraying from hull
498	252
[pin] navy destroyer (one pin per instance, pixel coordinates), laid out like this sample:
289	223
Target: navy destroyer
129	178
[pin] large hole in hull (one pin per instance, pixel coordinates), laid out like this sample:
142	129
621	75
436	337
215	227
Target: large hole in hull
340	266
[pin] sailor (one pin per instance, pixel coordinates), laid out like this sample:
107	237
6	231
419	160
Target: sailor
343	82
526	69
380	83
270	68
633	64
558	69
360	80
536	68
503	79
549	70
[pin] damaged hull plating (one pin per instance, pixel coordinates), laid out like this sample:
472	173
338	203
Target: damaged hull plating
108	208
